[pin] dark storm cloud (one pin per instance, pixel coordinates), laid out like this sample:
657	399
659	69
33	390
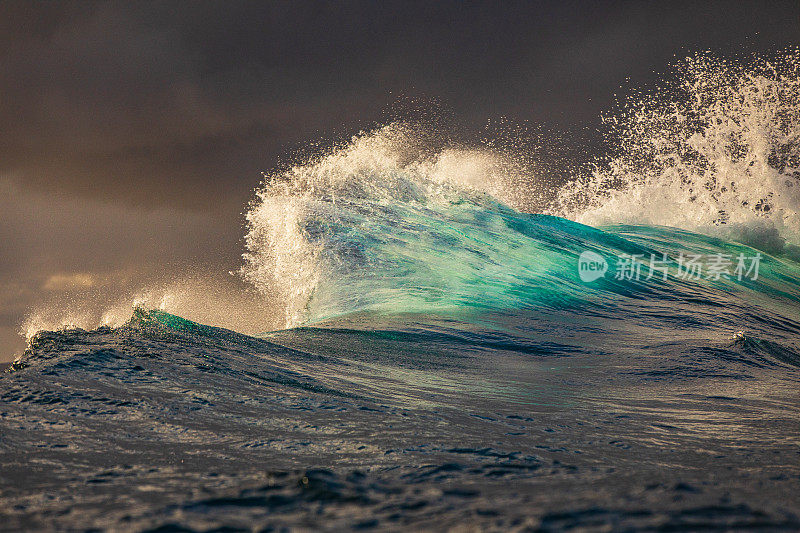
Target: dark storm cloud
124	124
185	103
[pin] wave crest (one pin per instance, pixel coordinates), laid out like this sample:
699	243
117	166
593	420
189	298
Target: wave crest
716	151
316	219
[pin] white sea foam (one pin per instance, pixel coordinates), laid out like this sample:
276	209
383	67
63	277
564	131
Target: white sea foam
718	152
220	300
286	240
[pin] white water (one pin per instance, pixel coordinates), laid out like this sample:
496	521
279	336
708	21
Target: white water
718	152
387	167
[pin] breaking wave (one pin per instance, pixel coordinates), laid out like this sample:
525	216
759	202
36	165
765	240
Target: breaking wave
716	150
398	220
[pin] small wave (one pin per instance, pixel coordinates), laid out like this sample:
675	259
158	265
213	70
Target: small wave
766	349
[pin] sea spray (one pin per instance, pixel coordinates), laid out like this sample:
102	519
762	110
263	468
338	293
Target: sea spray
715	150
376	206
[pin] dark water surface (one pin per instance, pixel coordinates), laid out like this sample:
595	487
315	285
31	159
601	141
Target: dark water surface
501	392
167	424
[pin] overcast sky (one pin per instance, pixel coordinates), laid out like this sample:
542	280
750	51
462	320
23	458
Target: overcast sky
133	133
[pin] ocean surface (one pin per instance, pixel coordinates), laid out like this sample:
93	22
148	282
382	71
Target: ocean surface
444	359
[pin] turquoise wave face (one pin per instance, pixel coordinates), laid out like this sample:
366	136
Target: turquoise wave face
479	255
367	230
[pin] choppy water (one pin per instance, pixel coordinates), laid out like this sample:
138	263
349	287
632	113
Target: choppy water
444	364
